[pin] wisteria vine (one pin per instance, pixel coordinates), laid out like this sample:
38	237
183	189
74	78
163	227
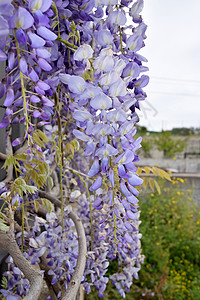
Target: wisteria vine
73	79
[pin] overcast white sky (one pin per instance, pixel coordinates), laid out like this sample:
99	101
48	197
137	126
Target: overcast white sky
173	53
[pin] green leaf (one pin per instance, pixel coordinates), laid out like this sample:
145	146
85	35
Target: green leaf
157	187
3	226
36	205
37	139
73	26
4	283
10	161
145	182
155	172
28	166
42	136
151	184
50	182
147	170
20	156
48	205
20	187
139	171
164	174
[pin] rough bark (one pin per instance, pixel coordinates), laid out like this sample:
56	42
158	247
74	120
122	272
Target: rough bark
34	276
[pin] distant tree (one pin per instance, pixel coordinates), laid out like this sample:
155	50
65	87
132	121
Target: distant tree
169	146
183	131
142	130
147	145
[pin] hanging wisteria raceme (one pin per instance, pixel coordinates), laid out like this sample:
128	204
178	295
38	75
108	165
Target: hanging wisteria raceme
74	78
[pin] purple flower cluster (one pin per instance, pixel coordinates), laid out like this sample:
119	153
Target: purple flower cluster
74	67
27	87
16	285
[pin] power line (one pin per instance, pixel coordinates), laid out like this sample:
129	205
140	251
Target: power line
174	94
176	79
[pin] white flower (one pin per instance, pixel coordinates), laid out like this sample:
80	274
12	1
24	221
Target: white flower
83	52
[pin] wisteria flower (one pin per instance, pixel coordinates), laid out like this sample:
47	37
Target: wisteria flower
83	52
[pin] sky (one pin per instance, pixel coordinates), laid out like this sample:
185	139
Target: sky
172	48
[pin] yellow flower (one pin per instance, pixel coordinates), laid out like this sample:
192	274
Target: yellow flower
157	244
197	222
156	227
179	225
178	193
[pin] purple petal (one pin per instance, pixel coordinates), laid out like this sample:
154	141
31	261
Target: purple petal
41	19
97	203
128	238
23	65
97	184
42	5
36	113
131	167
132	69
43	85
36	41
44	65
111	176
132	199
104	164
133	190
21	36
101	101
47	102
94	168
111	194
129	226
42	52
81	116
80	135
131	215
33	75
22	19
122	172
39	91
4	123
125	204
125	157
54	279
17	142
46	33
124	189
9	97
89	149
142	82
76	84
83	52
134	180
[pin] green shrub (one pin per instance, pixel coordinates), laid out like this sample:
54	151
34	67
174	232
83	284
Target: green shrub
171	245
169	146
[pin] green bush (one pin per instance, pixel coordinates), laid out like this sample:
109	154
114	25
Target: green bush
171	245
169	146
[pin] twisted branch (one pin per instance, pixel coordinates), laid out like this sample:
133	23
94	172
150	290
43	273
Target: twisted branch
75	282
